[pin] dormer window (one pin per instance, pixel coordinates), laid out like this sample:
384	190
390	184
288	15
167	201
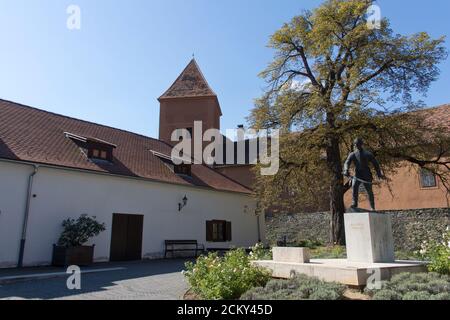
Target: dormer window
95	149
183	169
96	152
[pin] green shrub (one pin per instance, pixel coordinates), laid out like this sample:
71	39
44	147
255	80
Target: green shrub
414	286
300	287
311	244
334	252
78	232
438	254
386	294
407	255
441	296
214	278
259	252
416	295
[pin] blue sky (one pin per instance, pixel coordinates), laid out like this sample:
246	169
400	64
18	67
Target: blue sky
128	53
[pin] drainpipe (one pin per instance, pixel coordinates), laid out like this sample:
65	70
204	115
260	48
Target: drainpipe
27	213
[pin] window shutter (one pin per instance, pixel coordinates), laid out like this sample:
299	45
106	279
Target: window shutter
228	231
209	231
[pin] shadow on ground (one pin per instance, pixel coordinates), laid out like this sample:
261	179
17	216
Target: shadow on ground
159	279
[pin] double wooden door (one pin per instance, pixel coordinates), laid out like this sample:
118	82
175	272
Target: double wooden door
126	237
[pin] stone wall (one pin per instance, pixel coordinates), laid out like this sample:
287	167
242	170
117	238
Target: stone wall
410	227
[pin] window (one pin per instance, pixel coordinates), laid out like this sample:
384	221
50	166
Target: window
95	148
96	153
184	169
100	154
427	179
218	231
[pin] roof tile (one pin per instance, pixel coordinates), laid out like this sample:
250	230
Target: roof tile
33	135
190	83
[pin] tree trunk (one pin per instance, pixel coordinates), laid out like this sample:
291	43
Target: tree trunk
337	209
337	206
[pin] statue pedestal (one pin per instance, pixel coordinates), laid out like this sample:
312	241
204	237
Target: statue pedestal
369	237
370	246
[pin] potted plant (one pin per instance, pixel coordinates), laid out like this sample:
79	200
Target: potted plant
70	249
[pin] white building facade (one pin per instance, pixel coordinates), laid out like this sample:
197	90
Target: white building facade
60	193
54	167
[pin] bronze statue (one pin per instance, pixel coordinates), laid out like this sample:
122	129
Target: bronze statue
363	175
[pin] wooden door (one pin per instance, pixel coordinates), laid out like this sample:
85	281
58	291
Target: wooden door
126	237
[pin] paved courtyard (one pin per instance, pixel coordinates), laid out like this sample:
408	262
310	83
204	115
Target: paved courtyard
146	280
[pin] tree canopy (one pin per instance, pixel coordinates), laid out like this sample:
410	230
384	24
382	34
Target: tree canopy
334	78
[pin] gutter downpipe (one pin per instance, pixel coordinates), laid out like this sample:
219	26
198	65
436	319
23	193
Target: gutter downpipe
26	215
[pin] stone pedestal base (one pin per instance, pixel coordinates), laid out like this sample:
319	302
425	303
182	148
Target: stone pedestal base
370	252
369	237
295	255
340	270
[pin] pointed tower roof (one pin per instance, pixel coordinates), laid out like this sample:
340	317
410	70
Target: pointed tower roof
190	83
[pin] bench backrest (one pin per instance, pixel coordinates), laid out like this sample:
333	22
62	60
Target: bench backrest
170	242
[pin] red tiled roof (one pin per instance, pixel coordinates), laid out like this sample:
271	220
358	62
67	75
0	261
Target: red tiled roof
438	116
33	135
190	83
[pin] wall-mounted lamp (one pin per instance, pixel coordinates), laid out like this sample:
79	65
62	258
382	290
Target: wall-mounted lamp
183	204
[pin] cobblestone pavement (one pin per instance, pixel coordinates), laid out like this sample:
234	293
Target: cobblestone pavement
146	280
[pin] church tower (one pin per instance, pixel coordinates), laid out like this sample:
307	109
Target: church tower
189	99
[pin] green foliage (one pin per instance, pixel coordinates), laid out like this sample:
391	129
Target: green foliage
386	295
333	78
438	254
332	252
78	232
300	287
407	255
413	286
416	295
311	244
259	252
215	278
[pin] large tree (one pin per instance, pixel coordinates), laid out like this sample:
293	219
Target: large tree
334	78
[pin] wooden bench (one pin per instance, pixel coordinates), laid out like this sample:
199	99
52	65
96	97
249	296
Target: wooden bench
171	246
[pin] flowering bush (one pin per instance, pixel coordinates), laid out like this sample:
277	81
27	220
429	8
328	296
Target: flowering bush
438	254
214	278
259	252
